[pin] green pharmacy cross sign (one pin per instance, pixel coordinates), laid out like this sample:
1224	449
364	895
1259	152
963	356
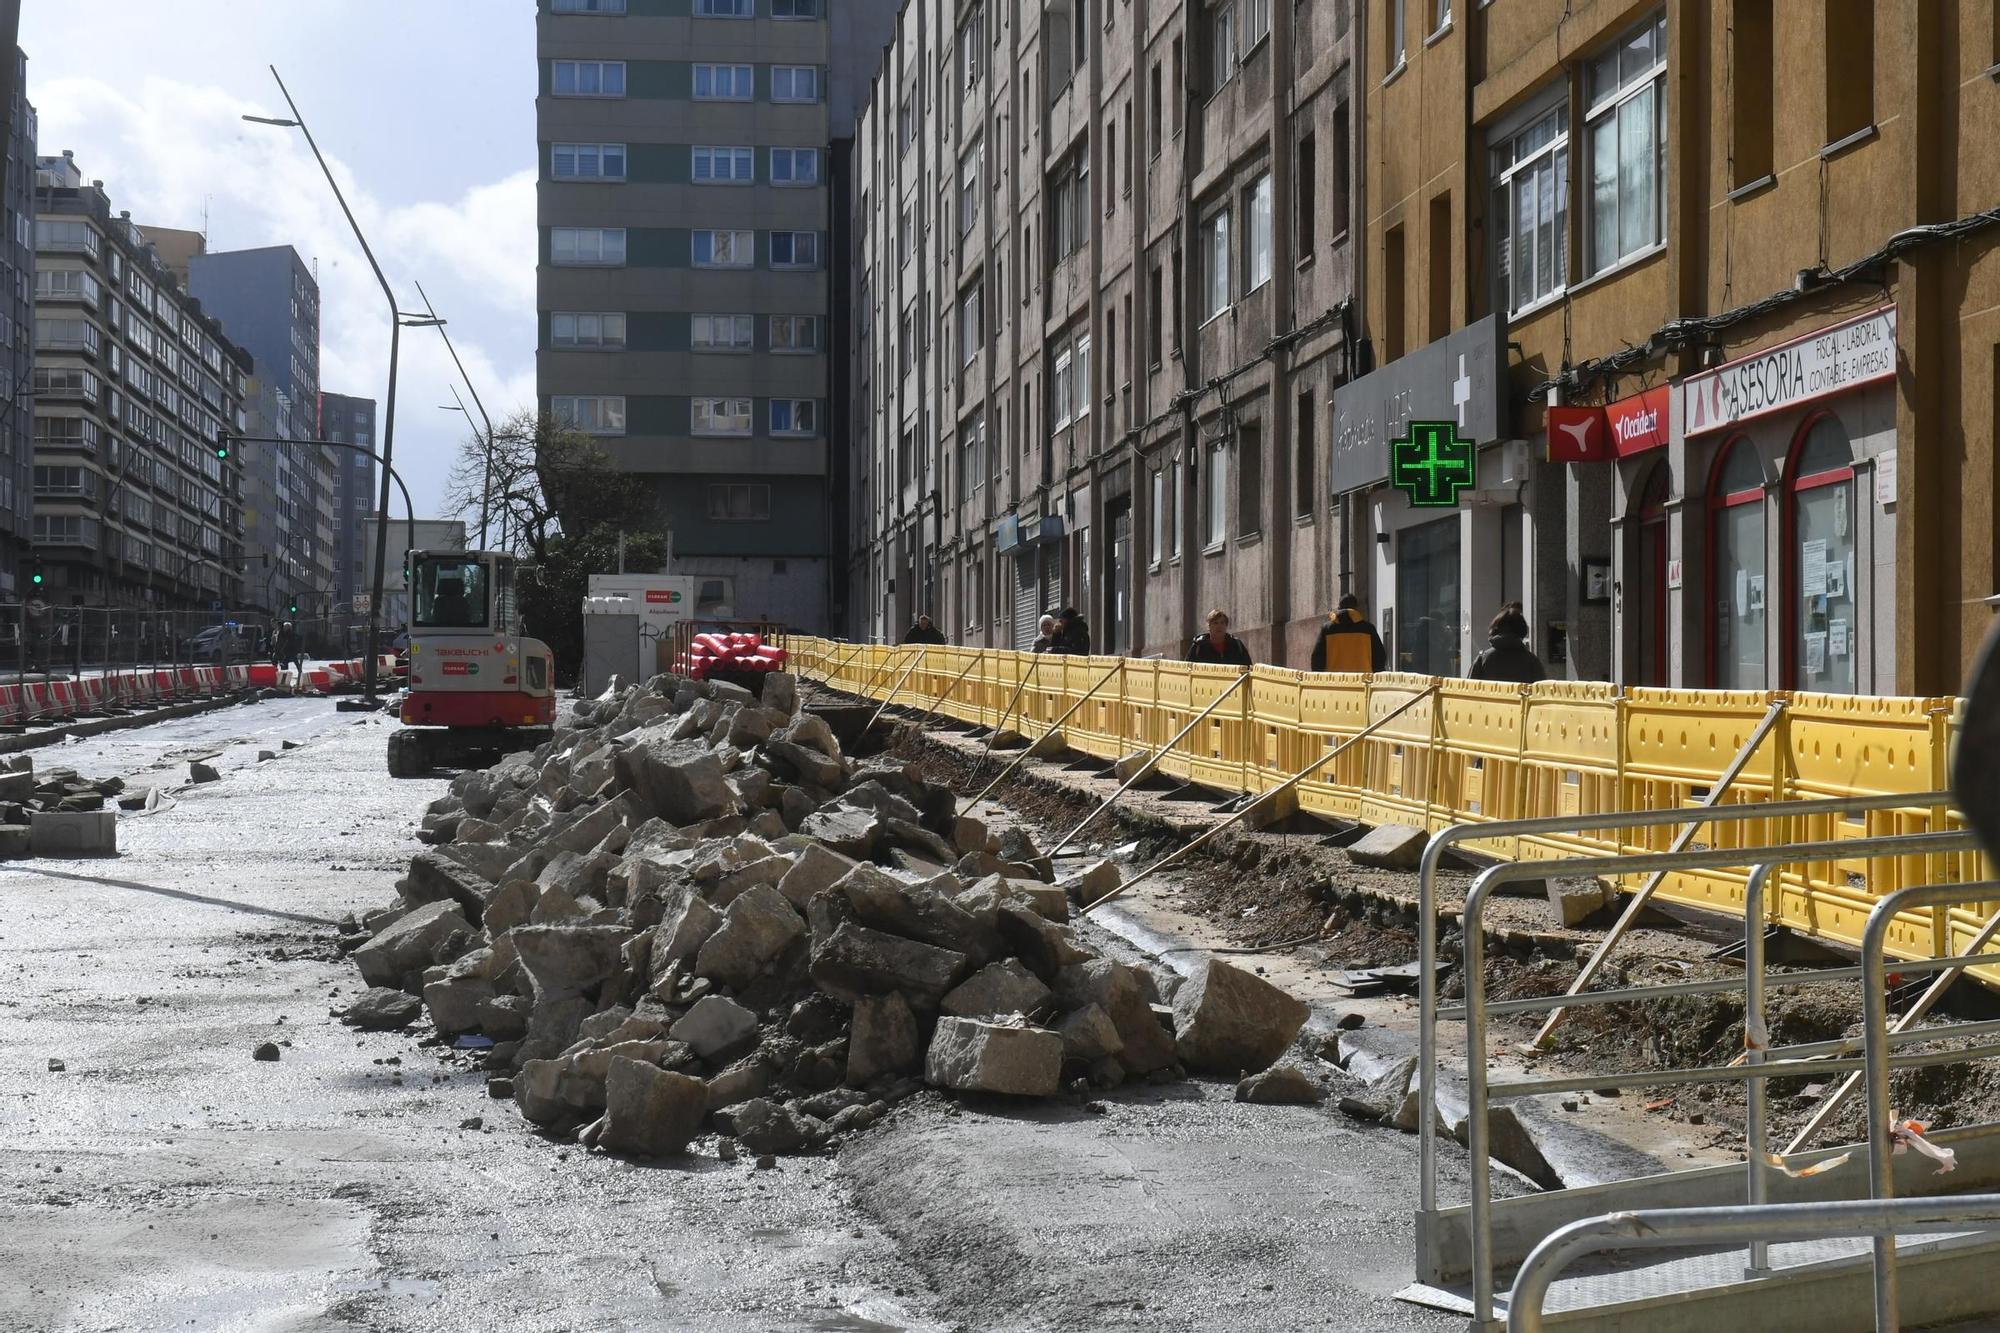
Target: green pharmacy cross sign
1433	465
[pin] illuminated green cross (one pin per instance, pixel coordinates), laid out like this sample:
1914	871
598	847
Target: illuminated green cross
1433	465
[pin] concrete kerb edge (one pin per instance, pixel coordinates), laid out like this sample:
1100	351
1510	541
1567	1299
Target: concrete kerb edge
98	726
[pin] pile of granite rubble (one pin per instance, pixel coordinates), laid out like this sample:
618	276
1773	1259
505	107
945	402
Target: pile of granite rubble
690	913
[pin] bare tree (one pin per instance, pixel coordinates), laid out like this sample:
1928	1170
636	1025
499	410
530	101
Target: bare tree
547	479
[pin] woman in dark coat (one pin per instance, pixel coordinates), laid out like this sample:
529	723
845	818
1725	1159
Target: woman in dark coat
1507	655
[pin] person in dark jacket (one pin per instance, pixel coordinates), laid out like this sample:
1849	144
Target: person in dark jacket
1072	633
1045	638
921	630
1218	645
1507	655
1349	641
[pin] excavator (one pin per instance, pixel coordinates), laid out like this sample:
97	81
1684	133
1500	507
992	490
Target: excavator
477	688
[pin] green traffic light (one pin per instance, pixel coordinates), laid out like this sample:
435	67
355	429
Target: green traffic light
222	451
36	579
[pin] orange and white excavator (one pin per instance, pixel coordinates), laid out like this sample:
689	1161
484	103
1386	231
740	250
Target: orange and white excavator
478	688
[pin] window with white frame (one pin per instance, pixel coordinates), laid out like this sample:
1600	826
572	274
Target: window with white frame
587	78
794	249
794	83
794	333
968	185
972	456
1069	204
794	416
724	166
587	329
586	6
725	9
1531	201
598	415
724	249
971	324
586	246
721	416
719	333
1217	479
971	50
1158	528
1441	18
1080	367
587	161
794	9
795	166
1257	238
739	502
1215	253
724	83
1256	21
1062	388
67	284
1221	45
1625	140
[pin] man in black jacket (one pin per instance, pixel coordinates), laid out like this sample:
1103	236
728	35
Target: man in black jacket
1072	633
1349	641
1218	645
1507	656
921	630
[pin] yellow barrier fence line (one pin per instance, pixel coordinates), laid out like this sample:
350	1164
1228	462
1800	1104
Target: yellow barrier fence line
915	662
1053	727
950	685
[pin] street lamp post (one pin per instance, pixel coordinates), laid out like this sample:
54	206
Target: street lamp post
396	320
486	475
389	474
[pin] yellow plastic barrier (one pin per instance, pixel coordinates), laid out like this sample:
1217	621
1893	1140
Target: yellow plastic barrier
1482	752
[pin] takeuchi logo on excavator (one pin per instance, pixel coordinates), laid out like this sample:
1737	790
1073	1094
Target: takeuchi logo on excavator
460	652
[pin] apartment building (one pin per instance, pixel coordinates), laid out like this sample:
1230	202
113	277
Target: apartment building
354	495
17	343
1103	288
268	299
685	280
135	385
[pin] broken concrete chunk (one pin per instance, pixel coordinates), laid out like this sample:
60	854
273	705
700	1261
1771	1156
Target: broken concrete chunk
650	1112
679	780
715	1026
405	946
757	927
1577	899
816	870
997	991
1390	847
970	1056
855	961
1227	1020
567	959
1280	1085
764	1126
1089	1035
382	1009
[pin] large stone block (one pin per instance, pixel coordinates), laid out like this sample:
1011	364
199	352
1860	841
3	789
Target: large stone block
884	1039
650	1112
1390	847
997	991
406	945
756	928
855	961
74	832
1117	988
969	1056
714	1026
567	959
1227	1020
679	780
816	870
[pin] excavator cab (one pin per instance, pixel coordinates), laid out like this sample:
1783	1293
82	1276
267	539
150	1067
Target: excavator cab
478	688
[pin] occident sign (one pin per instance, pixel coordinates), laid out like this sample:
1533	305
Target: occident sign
1848	355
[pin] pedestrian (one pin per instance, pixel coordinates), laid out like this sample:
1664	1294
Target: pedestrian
1218	645
1072	633
285	648
1045	640
1349	642
1507	655
921	630
36	614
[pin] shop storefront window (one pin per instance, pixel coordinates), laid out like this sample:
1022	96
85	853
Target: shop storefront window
1648	602
1736	525
1821	595
1427	591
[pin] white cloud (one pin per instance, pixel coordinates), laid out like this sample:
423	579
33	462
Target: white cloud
172	152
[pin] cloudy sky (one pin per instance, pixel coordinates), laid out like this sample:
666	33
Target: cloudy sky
424	108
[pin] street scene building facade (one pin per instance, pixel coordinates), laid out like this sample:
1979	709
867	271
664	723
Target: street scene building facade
17	340
351	420
686	269
1156	308
135	387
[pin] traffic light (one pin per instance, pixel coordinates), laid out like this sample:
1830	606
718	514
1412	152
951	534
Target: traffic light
292	607
37	577
221	449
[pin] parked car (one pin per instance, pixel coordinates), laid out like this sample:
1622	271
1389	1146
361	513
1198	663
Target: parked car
231	642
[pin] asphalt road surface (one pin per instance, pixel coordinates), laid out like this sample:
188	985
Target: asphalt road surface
163	1179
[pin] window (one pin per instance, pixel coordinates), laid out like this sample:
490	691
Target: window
1305	462
1153	121
67	382
724	9
971	324
1221	45
794	249
1531	203
1823	595
583	330
1215	260
794	83
794	333
58	234
1850	68
1392	29
1155	319
1625	137
586	6
723	166
1338	204
906	123
795	166
1441	245
1256	22
588	161
794	416
1081	361
1305	198
729	249
721	416
66	529
972	457
906	345
1736	553
794	9
1249	479
64	481
1069	205
587	78
1257	245
1752	74
906	239
1175	95
1061	385
724	83
1110	165
592	416
971	51
70	284
719	333
1159	519
67	335
1176	521
1395	286
583	246
739	502
1441	18
968	186
1218	494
